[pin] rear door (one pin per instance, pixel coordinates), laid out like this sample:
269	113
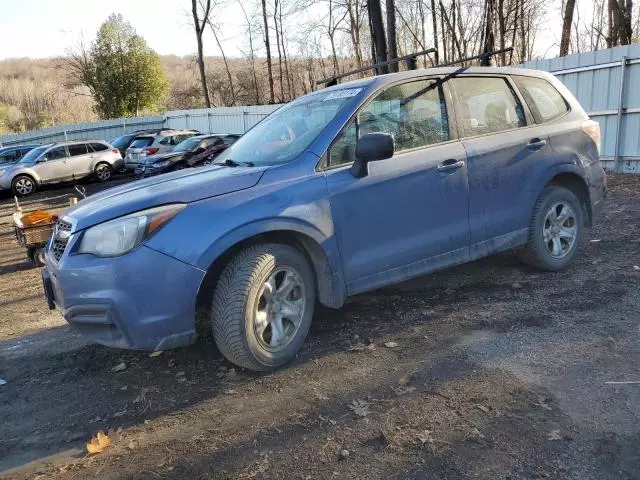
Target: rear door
505	152
52	166
80	158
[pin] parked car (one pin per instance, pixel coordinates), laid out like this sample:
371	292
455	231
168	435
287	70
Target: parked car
339	192
210	153
60	162
124	141
146	145
179	156
13	154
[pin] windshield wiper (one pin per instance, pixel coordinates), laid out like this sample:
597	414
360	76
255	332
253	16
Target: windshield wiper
232	163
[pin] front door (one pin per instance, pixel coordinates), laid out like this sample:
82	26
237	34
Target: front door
409	215
52	166
506	152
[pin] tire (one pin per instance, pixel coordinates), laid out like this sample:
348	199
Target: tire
103	172
23	186
550	246
245	310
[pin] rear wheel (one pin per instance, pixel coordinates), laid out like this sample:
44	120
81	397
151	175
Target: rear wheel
103	172
555	231
23	186
263	305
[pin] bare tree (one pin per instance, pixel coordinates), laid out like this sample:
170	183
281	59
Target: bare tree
378	38
392	39
567	21
199	24
268	47
214	30
252	55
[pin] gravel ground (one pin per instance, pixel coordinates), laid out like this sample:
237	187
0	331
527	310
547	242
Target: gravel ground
494	371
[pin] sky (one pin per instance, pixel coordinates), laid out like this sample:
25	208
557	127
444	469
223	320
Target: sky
47	28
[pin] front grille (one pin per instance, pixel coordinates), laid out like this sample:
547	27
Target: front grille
60	239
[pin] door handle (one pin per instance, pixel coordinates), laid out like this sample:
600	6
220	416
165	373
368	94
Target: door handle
536	143
450	165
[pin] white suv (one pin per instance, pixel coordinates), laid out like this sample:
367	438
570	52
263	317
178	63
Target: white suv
162	142
60	162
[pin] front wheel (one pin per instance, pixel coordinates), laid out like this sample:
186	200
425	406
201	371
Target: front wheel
555	230
103	172
23	186
263	305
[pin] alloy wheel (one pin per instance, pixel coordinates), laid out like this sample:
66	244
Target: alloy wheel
279	309
103	172
560	229
24	186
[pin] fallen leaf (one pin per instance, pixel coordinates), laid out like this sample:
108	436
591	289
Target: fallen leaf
404	380
390	344
483	408
554	435
98	443
360	408
119	367
344	454
596	240
425	437
155	354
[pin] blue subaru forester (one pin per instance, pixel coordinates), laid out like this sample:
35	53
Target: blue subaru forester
341	191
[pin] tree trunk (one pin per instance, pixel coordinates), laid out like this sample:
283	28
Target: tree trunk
199	28
284	56
567	21
502	27
392	38
523	35
377	34
354	30
226	64
434	20
268	47
252	54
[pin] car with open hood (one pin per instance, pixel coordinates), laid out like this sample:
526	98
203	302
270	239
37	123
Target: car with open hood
341	191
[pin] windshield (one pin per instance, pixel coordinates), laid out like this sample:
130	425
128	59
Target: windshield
187	145
287	132
33	154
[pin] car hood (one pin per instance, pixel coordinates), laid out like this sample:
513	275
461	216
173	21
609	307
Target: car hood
183	186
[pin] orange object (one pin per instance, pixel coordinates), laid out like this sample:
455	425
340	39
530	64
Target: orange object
36	217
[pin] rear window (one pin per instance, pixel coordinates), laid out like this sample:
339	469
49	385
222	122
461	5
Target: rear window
121	142
543	99
78	149
141	142
487	105
98	147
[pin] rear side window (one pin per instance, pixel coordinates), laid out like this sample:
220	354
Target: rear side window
543	99
97	147
486	105
414	113
141	142
78	149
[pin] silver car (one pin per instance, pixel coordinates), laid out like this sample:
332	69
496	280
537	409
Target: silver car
146	145
60	162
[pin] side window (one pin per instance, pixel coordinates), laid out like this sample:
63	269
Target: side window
97	147
56	153
78	149
545	101
165	141
414	113
9	157
487	105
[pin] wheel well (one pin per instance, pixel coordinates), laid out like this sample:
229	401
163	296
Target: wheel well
326	292
577	185
24	175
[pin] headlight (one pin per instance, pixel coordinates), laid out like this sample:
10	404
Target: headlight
119	236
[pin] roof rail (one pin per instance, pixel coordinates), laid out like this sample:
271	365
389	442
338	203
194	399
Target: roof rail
485	60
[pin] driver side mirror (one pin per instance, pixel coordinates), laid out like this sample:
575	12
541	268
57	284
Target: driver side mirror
371	147
42	159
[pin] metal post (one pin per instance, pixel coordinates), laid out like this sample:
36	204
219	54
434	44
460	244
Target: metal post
65	136
124	126
209	121
186	121
244	121
623	69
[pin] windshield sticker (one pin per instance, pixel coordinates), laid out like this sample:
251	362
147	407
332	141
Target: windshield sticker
346	93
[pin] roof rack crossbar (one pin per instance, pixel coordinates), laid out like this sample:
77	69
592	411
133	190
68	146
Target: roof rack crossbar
485	56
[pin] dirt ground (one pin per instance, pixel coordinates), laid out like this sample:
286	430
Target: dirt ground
495	371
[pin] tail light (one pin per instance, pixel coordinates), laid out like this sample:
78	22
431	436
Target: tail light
592	129
115	150
151	150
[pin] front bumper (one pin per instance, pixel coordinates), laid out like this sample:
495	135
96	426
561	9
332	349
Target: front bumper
144	170
144	300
